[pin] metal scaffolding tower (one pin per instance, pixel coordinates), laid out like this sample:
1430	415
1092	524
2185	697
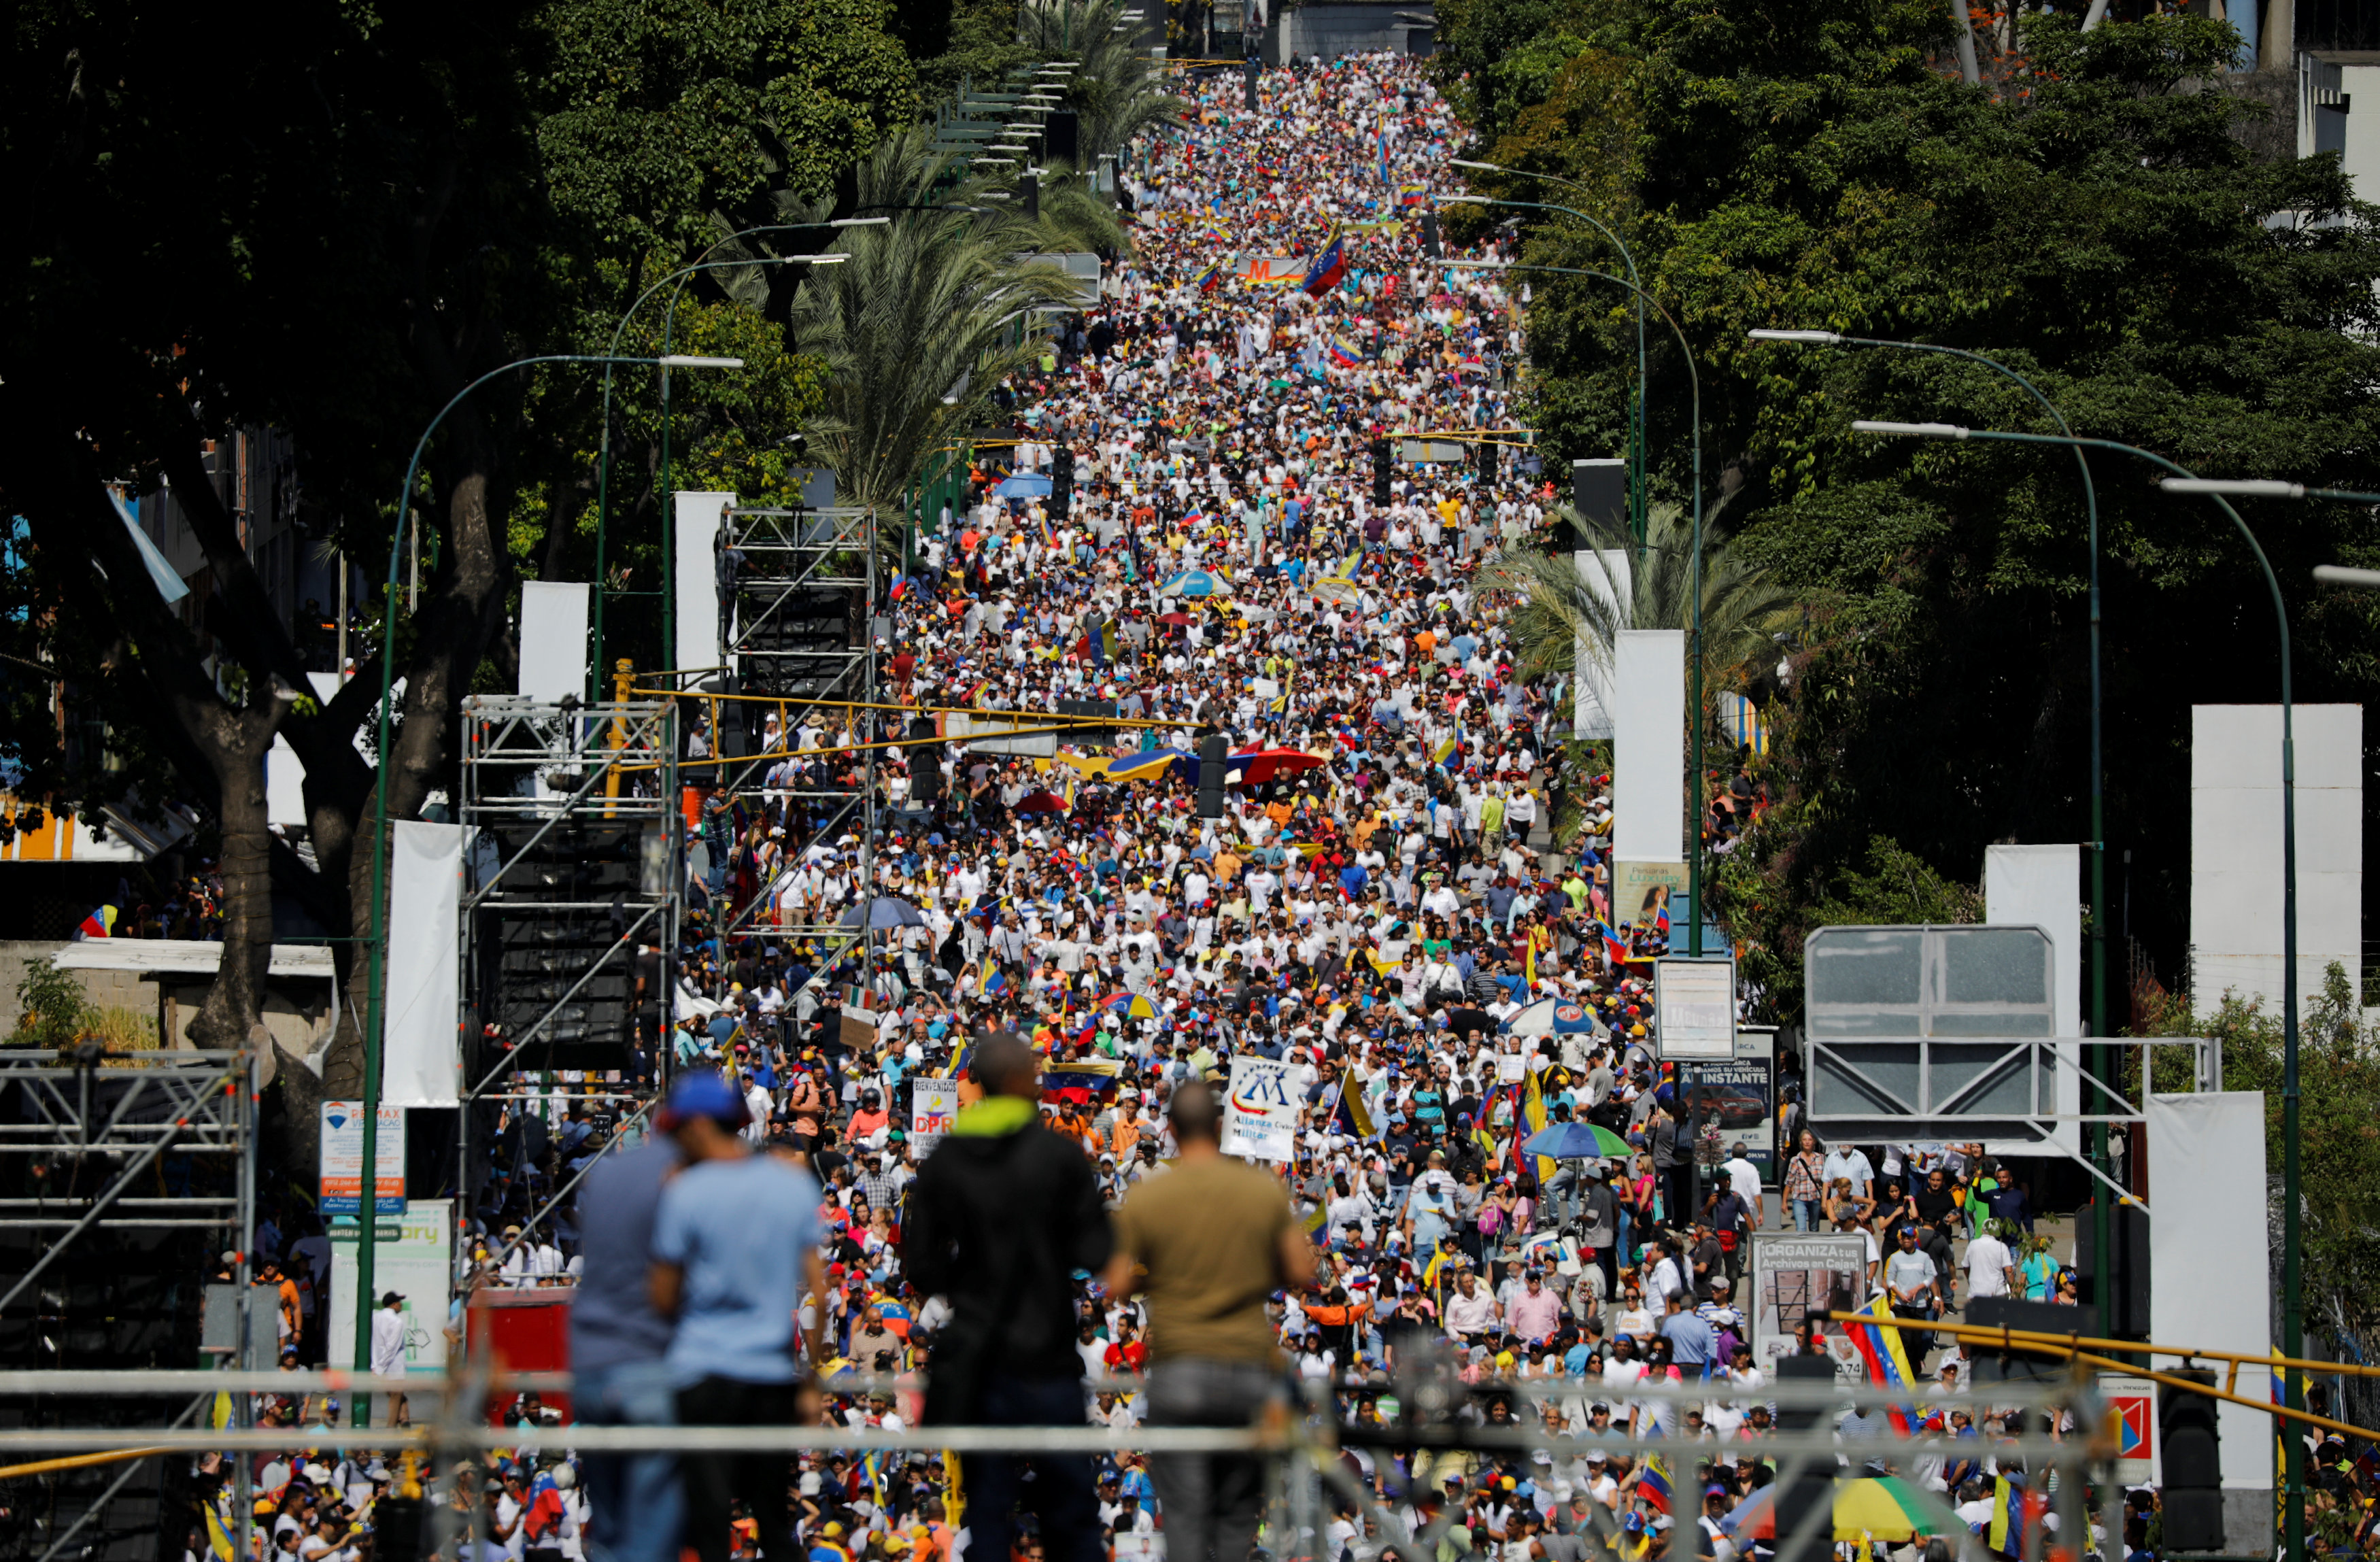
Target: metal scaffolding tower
801	631
572	860
123	1176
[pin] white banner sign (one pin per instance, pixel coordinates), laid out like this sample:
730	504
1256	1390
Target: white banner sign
1260	1113
933	1106
342	1160
1693	1006
412	1256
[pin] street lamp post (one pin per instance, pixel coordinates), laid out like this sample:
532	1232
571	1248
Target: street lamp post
1694	671
2100	1067
1640	480
2292	1306
604	458
374	998
2292	1169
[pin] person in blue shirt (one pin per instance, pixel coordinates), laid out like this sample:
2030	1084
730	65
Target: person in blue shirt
736	1242
617	1342
1690	1338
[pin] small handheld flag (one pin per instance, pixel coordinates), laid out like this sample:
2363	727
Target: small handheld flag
100	924
1329	268
1653	1484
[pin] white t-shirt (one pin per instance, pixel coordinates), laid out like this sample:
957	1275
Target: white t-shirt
1988	1261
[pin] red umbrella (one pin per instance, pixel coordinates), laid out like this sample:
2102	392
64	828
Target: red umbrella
1175	618
1259	765
1041	803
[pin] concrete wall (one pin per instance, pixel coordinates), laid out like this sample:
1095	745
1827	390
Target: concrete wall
297	1011
2235	850
109	989
1330	29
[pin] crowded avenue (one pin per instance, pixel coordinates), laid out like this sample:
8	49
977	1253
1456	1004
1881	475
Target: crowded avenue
1135	1116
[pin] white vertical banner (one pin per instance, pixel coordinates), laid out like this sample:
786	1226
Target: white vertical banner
1649	744
421	1061
554	639
2042	887
702	639
1606	575
933	1108
1260	1113
2235	850
2206	1176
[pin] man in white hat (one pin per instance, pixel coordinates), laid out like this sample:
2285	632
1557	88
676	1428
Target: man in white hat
388	1356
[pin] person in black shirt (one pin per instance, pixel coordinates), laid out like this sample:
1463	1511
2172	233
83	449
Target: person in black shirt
1935	1207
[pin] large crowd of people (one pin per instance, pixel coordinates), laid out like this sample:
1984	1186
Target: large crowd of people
1408	859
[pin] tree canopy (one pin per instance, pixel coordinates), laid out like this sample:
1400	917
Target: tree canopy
2097	221
330	228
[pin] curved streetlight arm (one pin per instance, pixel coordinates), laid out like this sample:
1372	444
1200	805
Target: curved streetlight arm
1635	280
2292	1239
368	1208
604	448
2098	1069
1546	206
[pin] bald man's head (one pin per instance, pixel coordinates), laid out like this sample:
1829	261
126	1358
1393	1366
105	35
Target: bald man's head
1005	1066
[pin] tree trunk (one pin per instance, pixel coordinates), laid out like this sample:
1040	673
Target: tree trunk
234	742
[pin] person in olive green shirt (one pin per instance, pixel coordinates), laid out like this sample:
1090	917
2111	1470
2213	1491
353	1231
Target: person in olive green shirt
1208	1241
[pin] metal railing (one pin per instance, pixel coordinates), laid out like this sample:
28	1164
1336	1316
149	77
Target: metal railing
2061	1436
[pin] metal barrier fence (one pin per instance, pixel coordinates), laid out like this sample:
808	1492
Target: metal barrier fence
2062	1440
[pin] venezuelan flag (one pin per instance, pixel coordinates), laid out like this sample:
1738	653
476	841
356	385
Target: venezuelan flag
100	924
1888	1364
1652	1485
1329	268
1615	948
1344	353
1211	278
2009	1506
1352	1114
1532	1105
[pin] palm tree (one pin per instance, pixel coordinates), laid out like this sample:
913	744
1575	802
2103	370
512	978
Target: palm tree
1569	608
933	309
1114	92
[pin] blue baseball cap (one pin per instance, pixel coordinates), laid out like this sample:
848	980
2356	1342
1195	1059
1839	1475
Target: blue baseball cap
703	1094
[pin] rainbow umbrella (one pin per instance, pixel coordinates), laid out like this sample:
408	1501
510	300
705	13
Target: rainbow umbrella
1880	1508
1130	1005
1576	1140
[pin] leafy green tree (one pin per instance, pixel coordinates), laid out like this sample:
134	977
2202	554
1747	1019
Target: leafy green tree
654	117
1114	90
2100	224
337	261
53	1011
1563	606
933	310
